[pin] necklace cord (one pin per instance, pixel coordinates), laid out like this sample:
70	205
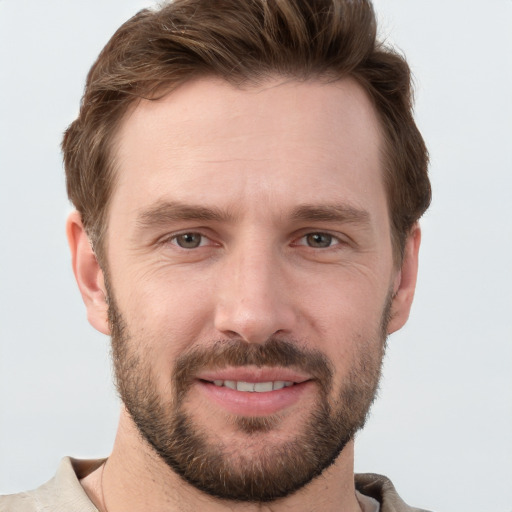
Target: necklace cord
103	503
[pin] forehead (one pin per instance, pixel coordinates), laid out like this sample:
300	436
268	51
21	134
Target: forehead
211	142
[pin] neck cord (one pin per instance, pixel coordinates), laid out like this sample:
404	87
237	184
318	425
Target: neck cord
103	504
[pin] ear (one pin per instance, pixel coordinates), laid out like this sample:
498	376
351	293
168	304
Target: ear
405	281
88	274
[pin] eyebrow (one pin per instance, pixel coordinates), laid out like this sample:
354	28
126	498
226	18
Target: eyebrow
331	213
165	213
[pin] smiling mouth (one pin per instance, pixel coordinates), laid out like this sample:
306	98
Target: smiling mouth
252	395
253	387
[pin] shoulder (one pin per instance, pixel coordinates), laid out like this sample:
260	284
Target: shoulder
22	502
60	494
382	489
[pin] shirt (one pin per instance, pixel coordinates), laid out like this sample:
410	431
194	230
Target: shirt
64	493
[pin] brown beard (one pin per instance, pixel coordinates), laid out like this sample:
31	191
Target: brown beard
275	471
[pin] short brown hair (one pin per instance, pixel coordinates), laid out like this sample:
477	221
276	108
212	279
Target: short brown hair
245	42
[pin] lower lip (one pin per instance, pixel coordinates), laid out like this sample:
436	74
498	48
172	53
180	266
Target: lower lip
244	403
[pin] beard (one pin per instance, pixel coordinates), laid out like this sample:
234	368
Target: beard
257	470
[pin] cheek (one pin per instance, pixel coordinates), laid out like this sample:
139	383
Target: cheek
157	298
349	300
346	320
164	319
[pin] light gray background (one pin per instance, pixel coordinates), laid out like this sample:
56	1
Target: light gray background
442	429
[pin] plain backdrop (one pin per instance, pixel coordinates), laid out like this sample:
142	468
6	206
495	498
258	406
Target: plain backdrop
442	427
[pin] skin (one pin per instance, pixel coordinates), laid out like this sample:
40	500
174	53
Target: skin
255	156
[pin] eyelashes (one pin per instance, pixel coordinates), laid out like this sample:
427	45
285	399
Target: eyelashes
193	240
318	240
190	240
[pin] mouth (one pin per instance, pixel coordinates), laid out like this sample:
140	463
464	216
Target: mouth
254	392
253	387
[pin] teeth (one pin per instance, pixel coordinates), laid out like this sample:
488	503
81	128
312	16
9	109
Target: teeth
245	386
251	387
280	384
261	387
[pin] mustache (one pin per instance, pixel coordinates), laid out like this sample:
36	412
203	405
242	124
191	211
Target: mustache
274	352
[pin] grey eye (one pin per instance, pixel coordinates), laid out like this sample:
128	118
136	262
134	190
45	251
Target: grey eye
188	240
319	240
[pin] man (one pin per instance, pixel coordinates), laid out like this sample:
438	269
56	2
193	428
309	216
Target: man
248	180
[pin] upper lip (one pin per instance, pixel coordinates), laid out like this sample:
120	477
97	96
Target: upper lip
254	374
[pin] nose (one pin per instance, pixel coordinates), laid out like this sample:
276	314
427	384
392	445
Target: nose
254	296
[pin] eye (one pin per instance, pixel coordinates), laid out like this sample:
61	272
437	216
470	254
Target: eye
189	240
318	240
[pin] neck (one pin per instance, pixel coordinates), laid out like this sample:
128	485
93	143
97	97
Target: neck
136	479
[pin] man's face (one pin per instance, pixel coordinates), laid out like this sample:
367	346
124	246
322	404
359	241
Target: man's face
249	247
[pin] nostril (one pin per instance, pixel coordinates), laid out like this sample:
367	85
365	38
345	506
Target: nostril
254	320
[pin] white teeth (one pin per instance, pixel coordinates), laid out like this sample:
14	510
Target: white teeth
258	387
261	387
245	386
